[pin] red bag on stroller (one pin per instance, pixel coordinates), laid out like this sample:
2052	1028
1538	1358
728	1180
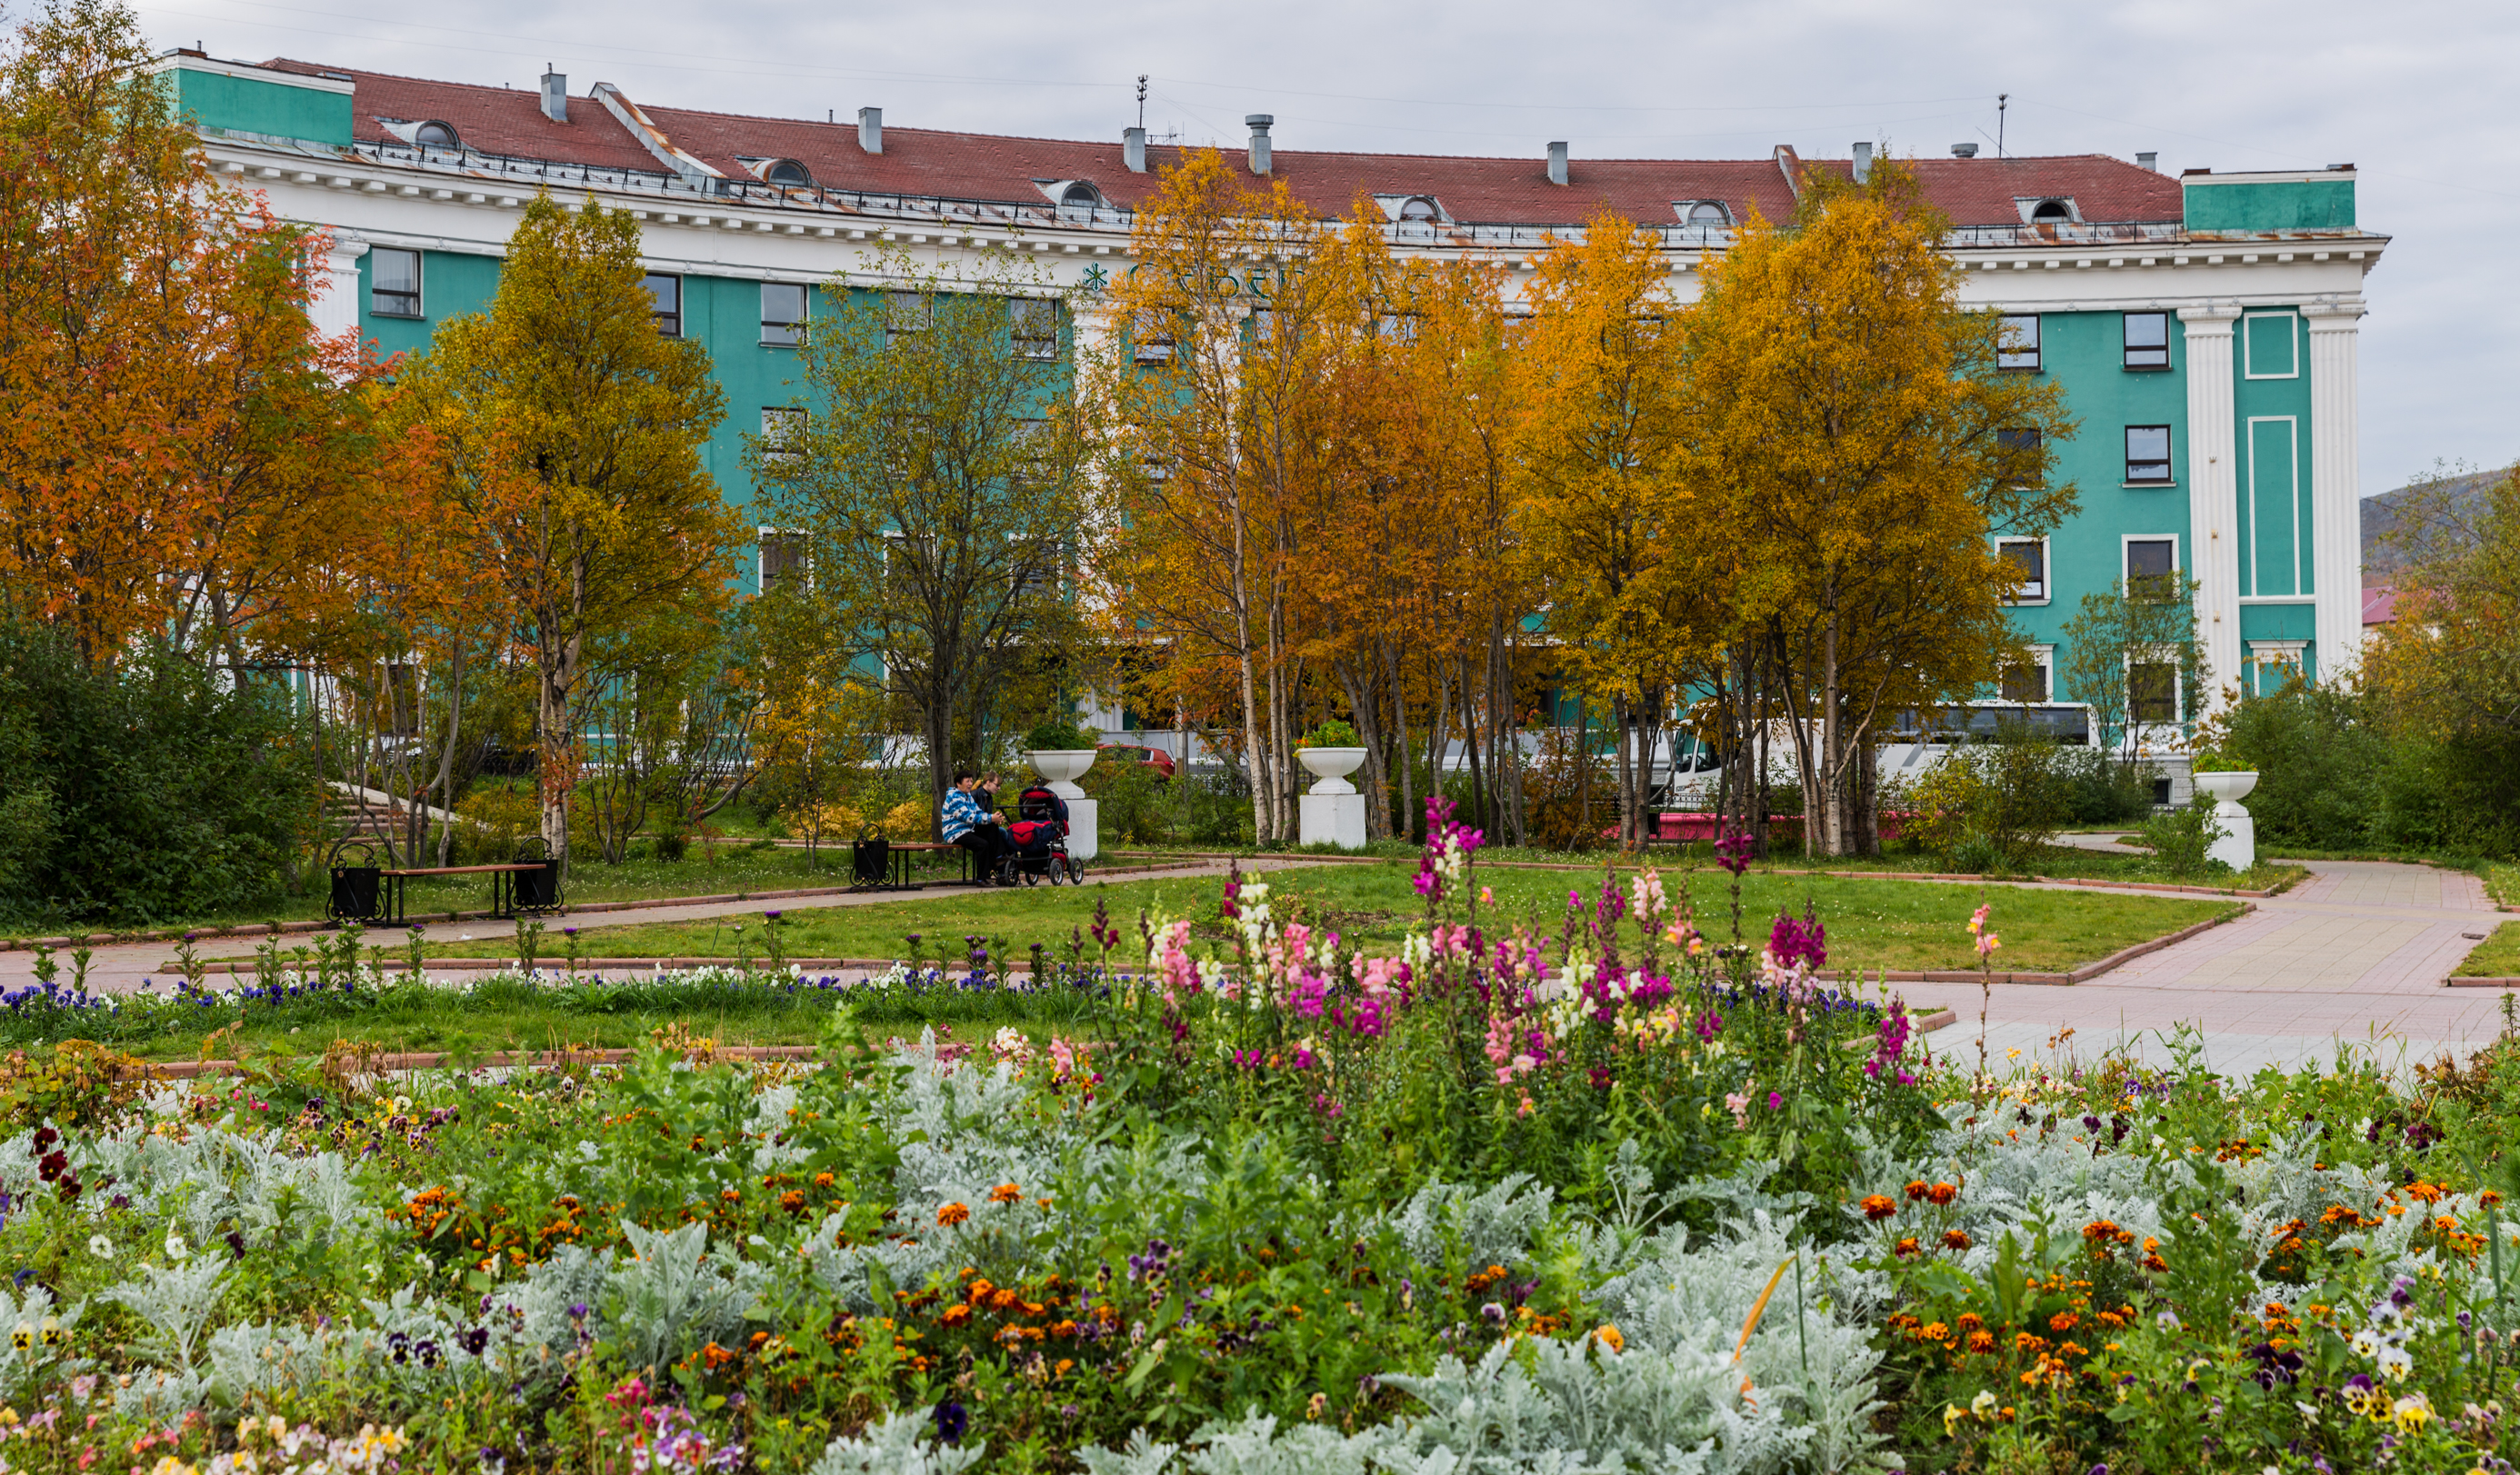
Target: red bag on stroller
1032	837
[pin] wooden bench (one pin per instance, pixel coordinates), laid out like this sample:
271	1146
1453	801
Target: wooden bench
375	894
900	852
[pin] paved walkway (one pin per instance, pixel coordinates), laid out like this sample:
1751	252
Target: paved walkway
2354	955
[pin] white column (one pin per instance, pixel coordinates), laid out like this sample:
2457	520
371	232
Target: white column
335	307
2213	495
2335	483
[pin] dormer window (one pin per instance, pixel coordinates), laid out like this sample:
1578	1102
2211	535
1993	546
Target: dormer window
1420	207
2054	210
1707	214
1076	199
790	173
436	135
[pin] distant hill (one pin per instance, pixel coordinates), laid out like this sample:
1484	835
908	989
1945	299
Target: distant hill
2386	512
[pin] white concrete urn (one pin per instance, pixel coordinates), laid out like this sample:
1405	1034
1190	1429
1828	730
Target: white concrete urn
1332	766
2237	847
1332	813
1060	768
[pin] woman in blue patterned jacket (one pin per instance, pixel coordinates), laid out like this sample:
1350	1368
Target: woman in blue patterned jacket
979	833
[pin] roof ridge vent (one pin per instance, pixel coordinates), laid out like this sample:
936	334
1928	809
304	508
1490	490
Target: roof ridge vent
653	138
1259	124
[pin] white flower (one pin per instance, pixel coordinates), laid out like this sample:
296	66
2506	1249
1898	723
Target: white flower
2367	1344
99	1246
176	1248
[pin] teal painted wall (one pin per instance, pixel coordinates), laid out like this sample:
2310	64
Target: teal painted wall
2323	205
451	285
277	109
2084	352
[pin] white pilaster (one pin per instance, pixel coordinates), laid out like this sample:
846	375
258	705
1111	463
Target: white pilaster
2213	495
2335	483
335	308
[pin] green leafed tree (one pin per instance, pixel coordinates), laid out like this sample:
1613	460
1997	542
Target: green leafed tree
2131	655
928	489
573	430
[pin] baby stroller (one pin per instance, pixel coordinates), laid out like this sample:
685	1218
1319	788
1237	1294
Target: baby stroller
1039	834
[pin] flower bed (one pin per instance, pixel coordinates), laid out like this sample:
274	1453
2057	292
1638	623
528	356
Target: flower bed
1625	1196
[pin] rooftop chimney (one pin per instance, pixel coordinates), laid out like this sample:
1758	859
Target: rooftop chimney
871	129
2150	161
1964	151
1863	162
1132	148
1258	123
1558	164
555	95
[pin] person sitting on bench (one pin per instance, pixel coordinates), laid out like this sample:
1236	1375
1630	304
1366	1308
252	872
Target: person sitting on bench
968	826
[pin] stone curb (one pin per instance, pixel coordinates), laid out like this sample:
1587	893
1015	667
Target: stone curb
587	965
2480	983
190	1070
1880	875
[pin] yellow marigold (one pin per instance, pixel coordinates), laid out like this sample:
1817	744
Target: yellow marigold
1608	1337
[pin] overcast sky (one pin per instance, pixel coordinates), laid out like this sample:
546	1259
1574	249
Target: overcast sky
2419	95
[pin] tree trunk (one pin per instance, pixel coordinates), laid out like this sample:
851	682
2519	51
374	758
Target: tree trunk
1435	740
1406	823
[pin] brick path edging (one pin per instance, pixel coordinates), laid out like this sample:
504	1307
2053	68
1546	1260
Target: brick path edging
2480	983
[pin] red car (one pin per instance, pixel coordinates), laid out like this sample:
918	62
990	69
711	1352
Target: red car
1126	752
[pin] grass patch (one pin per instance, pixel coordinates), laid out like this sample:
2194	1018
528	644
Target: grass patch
1902	925
2497	957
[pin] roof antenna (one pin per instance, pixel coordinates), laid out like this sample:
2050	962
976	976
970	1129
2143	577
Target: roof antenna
2003	100
1142	100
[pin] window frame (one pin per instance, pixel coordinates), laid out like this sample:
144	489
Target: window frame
2126	576
1034	344
789	420
796	564
2042	659
2022	438
2127	349
776	333
2169	462
898	323
2046	572
2177	696
668	321
418	285
2009	360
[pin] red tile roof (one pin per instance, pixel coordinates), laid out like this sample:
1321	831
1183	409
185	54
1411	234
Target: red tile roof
2379	605
989	167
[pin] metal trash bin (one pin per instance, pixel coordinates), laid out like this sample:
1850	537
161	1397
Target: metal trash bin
358	884
871	860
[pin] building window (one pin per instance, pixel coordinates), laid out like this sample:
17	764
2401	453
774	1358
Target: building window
782	555
2017	347
788	174
2019	450
782	312
2030	556
1079	201
783	434
2152	566
903	313
2025	681
2148	341
1707	214
2152	692
666	292
1035	322
2051	212
2147	454
393	282
1151	343
436	135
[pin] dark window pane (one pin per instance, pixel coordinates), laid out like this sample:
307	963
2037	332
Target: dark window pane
2148	453
2149	567
1036	327
393	282
2018	347
781	555
2148	341
668	295
2025	683
2152	692
2032	559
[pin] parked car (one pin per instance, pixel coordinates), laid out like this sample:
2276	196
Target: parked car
1129	752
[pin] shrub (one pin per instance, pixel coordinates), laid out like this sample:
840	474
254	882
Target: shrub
1330	734
1552	796
2181	837
1060	737
2100	789
1991	805
82	1085
2319	763
147	791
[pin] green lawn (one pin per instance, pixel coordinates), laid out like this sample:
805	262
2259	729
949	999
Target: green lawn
1903	925
2497	957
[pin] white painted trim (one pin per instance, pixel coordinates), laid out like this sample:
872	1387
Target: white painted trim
2292	503
2248	350
2047	570
2271	176
2176	566
2301	600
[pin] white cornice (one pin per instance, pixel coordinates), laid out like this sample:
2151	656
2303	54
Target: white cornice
177	61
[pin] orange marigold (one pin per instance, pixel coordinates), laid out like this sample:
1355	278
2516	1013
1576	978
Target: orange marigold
956	1314
1916	1190
1877	1207
1942	1193
1908	1247
1981	1341
1955	1239
1005	1193
952	1214
2063	1321
1968	1320
1935	1331
1608	1337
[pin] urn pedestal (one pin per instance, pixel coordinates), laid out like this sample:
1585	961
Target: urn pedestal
2238	847
1060	768
1334	811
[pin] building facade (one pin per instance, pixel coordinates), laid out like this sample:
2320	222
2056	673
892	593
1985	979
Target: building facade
2204	328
